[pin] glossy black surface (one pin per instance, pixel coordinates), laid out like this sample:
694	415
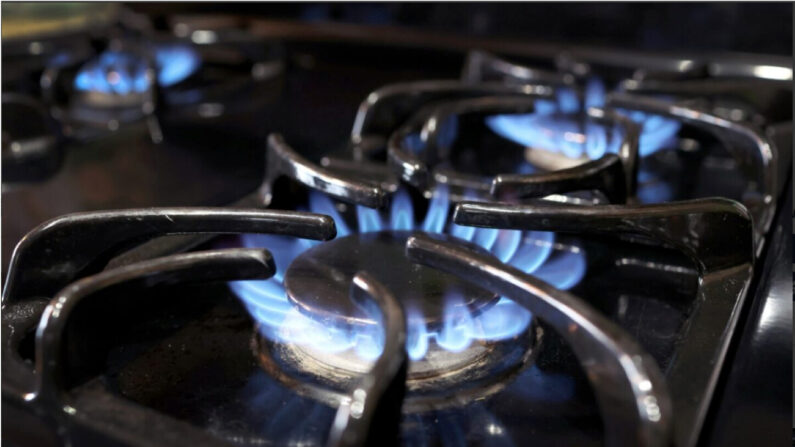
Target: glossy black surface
632	395
182	353
284	161
164	356
725	274
82	243
699	228
755	153
742	27
754	404
219	162
53	375
32	142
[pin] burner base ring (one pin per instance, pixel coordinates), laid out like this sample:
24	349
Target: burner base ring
492	369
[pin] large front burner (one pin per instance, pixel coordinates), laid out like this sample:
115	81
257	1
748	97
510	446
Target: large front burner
451	340
319	280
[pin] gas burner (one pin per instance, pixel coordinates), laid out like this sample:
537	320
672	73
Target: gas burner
97	81
584	140
539	169
320	356
386	109
557	135
119	84
458	335
121	74
144	77
565	233
560	141
116	75
449	322
454	329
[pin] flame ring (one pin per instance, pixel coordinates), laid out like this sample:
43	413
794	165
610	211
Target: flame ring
491	373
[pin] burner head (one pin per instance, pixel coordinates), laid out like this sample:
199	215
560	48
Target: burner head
458	350
124	83
124	74
457	356
313	338
115	78
318	281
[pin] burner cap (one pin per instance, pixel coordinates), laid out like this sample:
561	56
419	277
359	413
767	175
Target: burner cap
318	281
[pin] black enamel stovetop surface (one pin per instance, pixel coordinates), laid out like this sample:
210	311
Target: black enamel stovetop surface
185	351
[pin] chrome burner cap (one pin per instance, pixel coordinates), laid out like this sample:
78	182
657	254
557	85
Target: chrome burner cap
318	281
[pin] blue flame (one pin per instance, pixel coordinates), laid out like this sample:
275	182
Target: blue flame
122	72
175	63
369	219
437	212
526	168
462	232
567	100
652	189
458	325
114	72
486	237
501	321
563	271
533	252
402	215
321	203
544	107
288	248
447	131
369	342
413	142
594	93
507	243
555	128
596	141
657	132
417	334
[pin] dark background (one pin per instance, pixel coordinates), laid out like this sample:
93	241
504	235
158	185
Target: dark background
739	27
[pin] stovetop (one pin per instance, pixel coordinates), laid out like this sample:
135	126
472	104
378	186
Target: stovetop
622	309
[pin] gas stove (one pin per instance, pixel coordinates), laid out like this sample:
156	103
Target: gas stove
288	233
